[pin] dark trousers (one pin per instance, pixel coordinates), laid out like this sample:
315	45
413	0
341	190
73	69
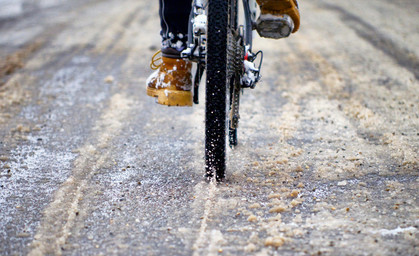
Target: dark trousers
174	19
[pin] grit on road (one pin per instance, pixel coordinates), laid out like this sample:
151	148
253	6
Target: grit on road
327	162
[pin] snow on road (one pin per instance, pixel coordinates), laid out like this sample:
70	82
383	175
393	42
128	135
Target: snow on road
327	161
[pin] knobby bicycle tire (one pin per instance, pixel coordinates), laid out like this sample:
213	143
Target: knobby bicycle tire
216	88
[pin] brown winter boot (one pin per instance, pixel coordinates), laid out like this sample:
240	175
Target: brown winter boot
171	83
278	18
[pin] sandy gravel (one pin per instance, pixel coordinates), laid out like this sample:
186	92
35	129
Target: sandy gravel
327	164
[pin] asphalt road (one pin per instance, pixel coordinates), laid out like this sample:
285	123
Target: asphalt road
327	163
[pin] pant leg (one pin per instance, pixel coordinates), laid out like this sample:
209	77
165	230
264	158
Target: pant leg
174	19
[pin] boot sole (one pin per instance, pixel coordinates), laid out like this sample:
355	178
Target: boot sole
171	97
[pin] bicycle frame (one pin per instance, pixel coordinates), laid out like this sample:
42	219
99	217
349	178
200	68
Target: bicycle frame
197	28
250	10
196	50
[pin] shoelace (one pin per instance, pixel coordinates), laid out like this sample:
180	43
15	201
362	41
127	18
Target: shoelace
154	61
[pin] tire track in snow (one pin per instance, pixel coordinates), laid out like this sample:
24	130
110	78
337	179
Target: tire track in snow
209	203
203	241
62	213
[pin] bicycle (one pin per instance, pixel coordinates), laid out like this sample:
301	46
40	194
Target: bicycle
220	42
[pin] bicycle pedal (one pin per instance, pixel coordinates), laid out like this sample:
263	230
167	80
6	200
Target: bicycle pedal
274	26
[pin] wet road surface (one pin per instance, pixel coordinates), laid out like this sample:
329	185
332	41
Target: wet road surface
328	156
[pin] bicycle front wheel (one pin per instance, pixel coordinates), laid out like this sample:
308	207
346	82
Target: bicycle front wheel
216	88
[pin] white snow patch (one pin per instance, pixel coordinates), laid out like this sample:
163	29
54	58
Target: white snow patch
178	45
80	59
200	24
393	232
10	8
152	76
342	183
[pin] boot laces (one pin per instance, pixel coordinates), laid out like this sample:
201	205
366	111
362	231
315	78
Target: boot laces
156	61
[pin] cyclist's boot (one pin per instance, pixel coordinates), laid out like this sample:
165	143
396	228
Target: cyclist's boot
171	83
278	18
